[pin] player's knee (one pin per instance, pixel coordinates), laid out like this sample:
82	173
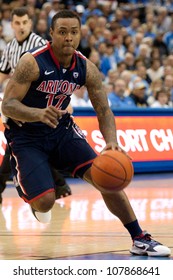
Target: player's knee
44	203
87	176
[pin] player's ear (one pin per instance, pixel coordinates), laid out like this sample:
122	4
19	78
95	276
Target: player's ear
51	32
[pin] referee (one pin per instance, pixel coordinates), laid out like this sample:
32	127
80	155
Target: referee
24	40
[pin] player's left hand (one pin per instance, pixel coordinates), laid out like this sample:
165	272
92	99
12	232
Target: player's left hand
114	146
111	146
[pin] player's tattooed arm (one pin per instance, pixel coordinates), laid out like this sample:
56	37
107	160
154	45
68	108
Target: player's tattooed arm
26	71
100	104
17	87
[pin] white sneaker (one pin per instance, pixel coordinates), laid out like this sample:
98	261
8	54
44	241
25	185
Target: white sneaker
42	217
145	245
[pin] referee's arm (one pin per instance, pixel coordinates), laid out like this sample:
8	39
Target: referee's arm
5	68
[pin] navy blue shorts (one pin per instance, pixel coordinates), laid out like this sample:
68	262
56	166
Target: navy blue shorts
66	149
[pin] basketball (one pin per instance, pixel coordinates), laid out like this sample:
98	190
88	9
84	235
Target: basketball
112	171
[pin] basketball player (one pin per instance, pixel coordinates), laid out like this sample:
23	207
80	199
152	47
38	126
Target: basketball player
38	94
24	40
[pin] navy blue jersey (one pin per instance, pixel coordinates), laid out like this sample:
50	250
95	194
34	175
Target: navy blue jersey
35	145
55	83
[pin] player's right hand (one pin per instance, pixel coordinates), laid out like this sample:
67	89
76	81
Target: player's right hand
51	116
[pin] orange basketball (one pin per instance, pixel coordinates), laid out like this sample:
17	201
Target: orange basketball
112	170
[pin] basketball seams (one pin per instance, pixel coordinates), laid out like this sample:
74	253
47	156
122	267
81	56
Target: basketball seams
111	171
102	170
109	156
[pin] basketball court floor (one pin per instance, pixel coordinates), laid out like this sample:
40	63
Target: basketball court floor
82	228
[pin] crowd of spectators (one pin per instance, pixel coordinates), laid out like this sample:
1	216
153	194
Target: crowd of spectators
131	42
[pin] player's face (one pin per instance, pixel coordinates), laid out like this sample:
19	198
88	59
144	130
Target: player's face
66	36
21	26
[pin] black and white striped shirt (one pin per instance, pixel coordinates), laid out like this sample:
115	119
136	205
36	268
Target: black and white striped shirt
14	49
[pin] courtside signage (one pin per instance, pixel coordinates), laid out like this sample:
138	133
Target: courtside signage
144	138
147	138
